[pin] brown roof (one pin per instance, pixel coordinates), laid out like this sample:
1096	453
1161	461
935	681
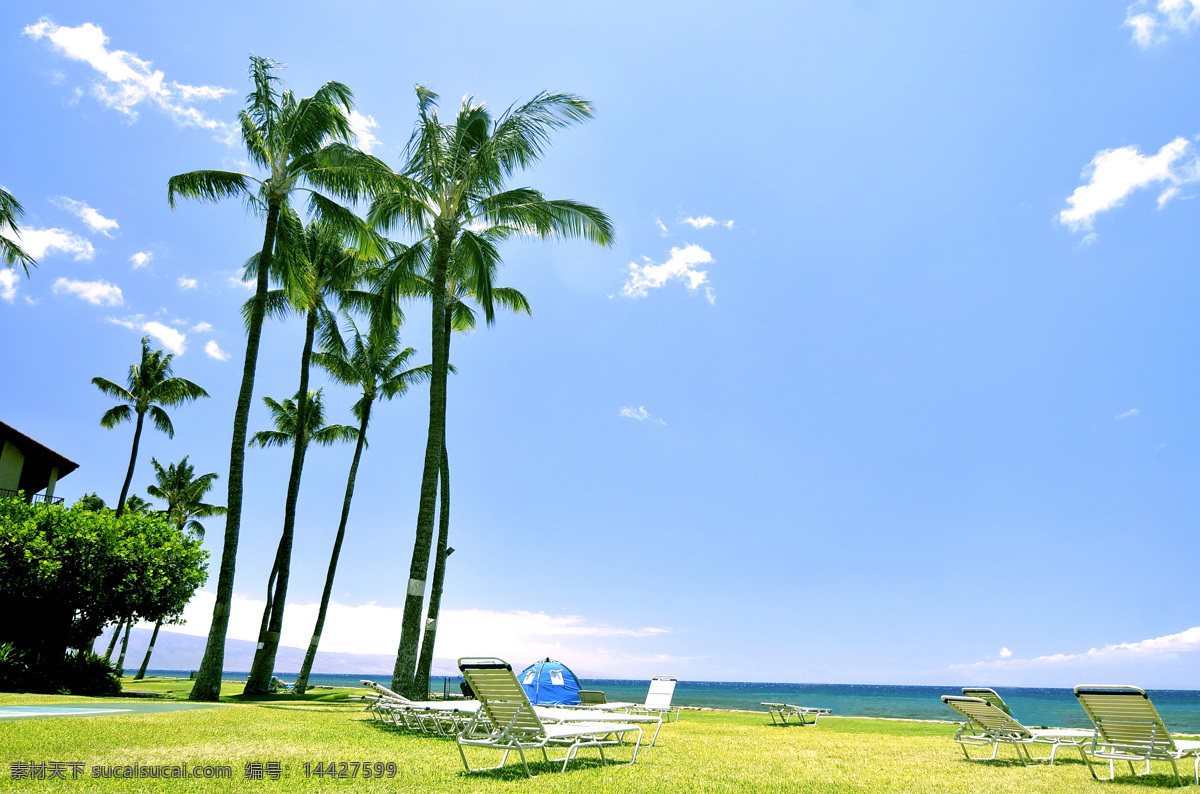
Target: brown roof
39	460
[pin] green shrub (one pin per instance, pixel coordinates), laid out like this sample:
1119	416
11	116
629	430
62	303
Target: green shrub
12	668
85	673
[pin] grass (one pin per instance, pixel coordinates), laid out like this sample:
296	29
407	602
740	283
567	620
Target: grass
706	751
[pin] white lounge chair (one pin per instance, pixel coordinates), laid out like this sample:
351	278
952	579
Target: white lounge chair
785	711
507	721
445	717
990	695
572	714
658	698
988	725
1128	728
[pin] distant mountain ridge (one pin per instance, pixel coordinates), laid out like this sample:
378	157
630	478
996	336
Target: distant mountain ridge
175	651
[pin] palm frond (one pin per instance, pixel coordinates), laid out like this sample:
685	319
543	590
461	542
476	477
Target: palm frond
162	421
208	185
332	434
12	253
115	416
176	391
113	390
271	438
512	299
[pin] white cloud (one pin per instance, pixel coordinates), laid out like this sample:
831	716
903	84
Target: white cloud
172	340
212	350
141	259
640	413
187	283
8	284
94	220
1151	23
126	81
94	292
1130	413
200	328
361	126
1005	653
1115	173
662	227
681	265
705	221
1167	646
234	281
518	636
39	242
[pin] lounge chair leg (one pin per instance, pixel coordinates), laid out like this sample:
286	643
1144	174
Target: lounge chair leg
524	763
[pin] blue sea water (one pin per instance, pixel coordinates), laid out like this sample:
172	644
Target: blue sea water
1180	709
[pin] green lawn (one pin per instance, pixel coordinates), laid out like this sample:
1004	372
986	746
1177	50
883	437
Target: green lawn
705	751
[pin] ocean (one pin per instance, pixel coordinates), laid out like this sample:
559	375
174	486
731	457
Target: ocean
1180	708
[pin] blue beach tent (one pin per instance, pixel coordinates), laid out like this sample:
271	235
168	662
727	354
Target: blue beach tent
550	683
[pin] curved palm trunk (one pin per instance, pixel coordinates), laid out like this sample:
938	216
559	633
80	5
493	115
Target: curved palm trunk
439	577
113	642
137	439
302	681
439	565
141	673
208	678
259	680
410	628
124	647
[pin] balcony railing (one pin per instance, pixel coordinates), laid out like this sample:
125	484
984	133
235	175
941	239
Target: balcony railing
37	497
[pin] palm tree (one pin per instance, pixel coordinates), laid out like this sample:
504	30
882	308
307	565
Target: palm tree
455	177
12	253
184	493
288	431
319	272
464	282
300	144
373	364
150	387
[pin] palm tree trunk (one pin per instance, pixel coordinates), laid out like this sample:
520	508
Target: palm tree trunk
141	673
439	565
302	680
124	647
439	577
259	680
137	438
410	628
113	642
208	678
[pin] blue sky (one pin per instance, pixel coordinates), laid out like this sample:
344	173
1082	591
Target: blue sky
889	377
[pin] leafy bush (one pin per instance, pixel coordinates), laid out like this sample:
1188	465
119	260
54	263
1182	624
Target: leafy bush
85	673
66	572
12	668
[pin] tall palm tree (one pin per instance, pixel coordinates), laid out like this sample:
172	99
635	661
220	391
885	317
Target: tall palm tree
288	431
300	145
10	251
184	493
469	278
150	386
373	364
456	176
320	274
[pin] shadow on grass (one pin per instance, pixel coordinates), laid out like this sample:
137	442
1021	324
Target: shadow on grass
392	729
513	770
